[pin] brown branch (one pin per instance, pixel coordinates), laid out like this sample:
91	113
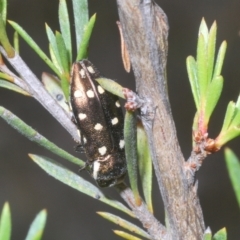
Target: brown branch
145	30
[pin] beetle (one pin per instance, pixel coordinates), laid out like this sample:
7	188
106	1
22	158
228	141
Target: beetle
100	121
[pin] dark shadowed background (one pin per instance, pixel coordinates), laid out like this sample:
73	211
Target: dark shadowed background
71	215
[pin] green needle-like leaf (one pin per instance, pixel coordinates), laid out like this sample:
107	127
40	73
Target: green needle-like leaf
4	41
34	136
130	137
3	10
220	59
83	48
7	77
73	180
192	75
5	223
124	224
145	165
65	28
236	118
80	13
16	42
63	53
212	97
53	43
220	235
238	102
211	49
228	116
202	66
12	87
226	136
36	229
65	85
34	46
111	86
125	235
203	29
54	60
233	166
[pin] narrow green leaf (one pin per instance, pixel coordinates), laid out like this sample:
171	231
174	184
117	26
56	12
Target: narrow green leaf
202	66
16	42
36	229
5	223
207	234
211	49
53	43
236	118
192	75
7	77
126	235
4	39
63	54
13	87
124	224
3	10
111	86
34	46
73	180
220	59
203	29
228	116
53	86
130	137
83	48
65	85
220	235
212	97
80	13
238	102
65	28
226	136
34	136
145	165
233	166
54	60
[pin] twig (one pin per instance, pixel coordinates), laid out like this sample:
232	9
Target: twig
145	29
16	80
154	228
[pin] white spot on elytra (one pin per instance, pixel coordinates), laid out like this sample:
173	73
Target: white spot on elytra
96	166
82	73
90	69
90	93
102	150
82	116
84	140
117	104
121	144
114	121
98	127
100	89
78	94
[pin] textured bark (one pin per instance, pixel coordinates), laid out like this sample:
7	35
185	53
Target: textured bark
145	31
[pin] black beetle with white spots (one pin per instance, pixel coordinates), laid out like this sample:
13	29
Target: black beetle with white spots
100	121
